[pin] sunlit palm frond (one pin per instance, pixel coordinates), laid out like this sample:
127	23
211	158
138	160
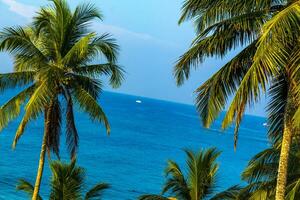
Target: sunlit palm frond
293	190
36	104
218	39
202	172
78	25
278	35
78	51
254	83
67	181
89	104
213	95
176	182
25	186
11	109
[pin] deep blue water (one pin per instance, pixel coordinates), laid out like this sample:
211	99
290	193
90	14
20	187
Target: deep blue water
132	159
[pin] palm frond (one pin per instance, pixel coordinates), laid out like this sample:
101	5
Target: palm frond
96	192
106	45
115	72
263	166
18	41
218	44
16	79
229	194
278	93
67	181
212	95
176	182
25	186
89	104
37	102
78	51
92	85
293	190
71	130
202	171
273	49
11	109
152	197
53	122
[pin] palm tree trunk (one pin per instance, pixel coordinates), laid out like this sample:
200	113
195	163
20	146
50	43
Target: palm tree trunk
39	175
40	169
285	150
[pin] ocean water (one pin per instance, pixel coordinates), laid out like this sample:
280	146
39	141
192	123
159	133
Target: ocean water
132	159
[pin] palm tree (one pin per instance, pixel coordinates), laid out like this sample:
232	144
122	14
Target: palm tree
261	174
54	66
199	182
67	183
268	32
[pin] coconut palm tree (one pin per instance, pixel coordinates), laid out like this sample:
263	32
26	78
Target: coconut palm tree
57	64
267	34
67	182
199	182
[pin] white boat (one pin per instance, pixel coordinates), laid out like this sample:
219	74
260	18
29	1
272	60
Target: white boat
265	124
138	101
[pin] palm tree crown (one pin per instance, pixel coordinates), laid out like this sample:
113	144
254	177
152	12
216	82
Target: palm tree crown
199	182
67	182
268	31
54	64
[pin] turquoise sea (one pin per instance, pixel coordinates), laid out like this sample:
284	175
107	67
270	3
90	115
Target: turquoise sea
132	159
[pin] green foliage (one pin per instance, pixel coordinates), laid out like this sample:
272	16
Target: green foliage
25	186
198	183
67	182
58	61
268	30
261	174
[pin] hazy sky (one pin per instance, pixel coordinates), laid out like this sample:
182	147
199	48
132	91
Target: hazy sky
151	41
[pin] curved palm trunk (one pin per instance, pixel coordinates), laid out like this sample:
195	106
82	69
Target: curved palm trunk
39	175
283	163
40	169
285	149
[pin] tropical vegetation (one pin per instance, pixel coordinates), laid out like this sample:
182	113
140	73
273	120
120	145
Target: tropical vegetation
67	182
267	34
57	63
199	182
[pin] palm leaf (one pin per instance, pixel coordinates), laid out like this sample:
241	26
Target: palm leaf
11	109
213	95
152	197
176	182
25	186
115	72
16	79
37	102
89	104
229	194
96	191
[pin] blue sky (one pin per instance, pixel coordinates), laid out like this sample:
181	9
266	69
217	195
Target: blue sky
151	41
